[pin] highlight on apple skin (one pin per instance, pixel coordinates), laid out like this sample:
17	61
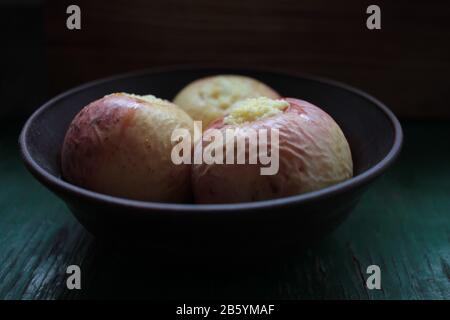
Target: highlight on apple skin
120	145
313	153
209	98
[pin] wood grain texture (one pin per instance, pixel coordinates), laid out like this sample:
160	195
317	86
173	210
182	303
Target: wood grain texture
405	64
402	224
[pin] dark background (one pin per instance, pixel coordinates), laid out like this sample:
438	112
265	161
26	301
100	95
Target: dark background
405	64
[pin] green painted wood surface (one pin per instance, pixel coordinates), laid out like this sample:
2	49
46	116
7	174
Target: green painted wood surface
402	224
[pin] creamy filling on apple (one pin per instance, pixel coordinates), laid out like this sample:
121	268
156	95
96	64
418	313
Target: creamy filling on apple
147	98
253	109
222	92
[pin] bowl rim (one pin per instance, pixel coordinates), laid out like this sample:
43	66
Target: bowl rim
53	182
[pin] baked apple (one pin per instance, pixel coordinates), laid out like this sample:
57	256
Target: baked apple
311	152
121	145
210	98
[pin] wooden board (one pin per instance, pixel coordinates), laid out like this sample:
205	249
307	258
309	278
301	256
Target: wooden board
405	64
402	224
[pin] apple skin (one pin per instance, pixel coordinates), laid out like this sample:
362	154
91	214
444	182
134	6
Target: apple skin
209	98
313	154
120	145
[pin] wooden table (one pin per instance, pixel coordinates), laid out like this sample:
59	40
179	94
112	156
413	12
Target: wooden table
402	224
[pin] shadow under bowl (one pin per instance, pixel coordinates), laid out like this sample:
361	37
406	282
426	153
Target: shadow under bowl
373	132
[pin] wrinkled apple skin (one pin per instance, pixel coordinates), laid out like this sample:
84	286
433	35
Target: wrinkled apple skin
120	145
202	98
313	154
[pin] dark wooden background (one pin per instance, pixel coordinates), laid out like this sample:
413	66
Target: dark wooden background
406	64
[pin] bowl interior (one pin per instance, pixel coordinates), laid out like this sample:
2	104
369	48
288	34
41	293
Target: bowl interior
367	127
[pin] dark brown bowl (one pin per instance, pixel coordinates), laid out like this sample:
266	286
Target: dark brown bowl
373	132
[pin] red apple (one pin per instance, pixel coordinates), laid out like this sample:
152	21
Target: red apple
121	145
313	153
